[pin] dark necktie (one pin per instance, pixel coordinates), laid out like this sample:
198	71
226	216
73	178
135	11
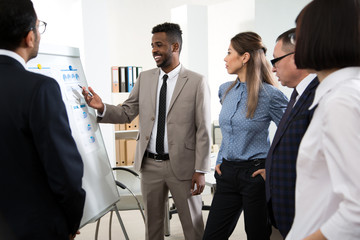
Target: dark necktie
161	117
289	107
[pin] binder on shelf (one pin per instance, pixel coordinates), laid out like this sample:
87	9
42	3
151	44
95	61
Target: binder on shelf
122	79
117	151
128	78
130	151
134	75
122	152
133	125
138	71
115	79
120	127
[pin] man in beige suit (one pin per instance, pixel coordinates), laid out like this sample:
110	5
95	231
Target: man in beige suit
172	156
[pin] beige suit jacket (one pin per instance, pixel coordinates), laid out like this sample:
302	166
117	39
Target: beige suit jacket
188	120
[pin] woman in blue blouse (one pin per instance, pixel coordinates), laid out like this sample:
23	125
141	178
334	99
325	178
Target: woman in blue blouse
248	105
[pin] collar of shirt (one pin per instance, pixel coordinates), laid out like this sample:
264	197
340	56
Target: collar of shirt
239	83
332	80
13	55
300	88
171	75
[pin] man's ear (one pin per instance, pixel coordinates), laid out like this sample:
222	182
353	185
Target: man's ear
30	39
176	47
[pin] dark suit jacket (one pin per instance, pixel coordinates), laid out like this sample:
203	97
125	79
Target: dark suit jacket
41	169
281	161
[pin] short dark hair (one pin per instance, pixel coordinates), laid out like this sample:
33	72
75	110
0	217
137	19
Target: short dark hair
172	30
17	18
328	35
287	38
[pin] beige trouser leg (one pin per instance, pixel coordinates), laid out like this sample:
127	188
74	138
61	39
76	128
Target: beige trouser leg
157	178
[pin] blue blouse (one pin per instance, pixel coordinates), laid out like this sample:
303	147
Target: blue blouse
248	138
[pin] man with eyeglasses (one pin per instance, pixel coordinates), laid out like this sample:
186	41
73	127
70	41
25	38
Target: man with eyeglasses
281	160
41	169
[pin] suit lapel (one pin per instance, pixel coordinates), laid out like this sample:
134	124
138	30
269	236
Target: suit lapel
302	100
153	89
182	79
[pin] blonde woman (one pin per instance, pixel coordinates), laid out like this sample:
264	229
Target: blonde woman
249	104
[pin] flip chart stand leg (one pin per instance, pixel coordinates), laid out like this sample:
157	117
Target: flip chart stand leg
110	223
121	222
97	229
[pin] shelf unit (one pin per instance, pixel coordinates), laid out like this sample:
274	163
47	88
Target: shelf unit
126	134
118	98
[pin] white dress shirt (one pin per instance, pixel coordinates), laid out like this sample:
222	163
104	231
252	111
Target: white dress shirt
171	82
300	88
328	164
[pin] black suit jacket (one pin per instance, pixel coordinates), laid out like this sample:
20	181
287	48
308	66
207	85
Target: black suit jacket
281	161
41	169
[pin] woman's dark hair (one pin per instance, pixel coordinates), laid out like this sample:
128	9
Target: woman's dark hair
172	30
328	35
17	18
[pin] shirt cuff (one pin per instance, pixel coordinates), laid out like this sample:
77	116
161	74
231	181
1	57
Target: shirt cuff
103	114
199	171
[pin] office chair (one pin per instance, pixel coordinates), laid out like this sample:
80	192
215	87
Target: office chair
128	182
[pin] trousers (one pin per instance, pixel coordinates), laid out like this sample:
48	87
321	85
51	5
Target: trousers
236	192
157	179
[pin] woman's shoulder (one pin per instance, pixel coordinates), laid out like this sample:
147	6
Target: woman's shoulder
273	94
224	86
271	89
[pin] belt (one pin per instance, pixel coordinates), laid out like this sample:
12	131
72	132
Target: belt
253	162
157	157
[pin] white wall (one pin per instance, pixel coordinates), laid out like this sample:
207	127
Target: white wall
114	32
64	19
193	20
226	19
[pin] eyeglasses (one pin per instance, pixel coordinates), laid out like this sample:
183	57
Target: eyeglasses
292	38
275	60
41	27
